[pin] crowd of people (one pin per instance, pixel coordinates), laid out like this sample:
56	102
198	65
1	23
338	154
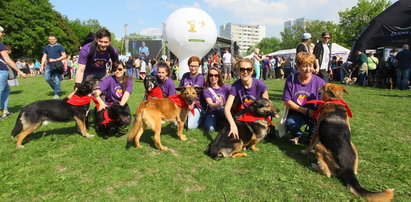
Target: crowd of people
217	103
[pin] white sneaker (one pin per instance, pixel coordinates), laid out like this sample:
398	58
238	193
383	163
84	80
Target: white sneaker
56	96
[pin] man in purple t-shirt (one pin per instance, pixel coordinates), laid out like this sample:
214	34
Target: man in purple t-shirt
298	89
93	65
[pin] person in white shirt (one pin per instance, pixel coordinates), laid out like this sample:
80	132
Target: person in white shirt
227	65
322	54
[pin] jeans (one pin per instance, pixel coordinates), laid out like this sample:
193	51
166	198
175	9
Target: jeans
211	120
193	121
294	123
362	76
130	72
257	71
4	89
403	75
53	79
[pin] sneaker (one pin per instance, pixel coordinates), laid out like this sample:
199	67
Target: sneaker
56	96
293	141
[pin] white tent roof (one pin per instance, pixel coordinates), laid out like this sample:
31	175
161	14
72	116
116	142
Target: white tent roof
336	50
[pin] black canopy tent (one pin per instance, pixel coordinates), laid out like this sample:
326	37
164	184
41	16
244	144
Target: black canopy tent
391	28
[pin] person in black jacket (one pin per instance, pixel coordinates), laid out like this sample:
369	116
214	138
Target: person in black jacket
322	52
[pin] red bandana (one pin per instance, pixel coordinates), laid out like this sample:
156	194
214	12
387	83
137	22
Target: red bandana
248	117
341	102
179	101
83	100
155	93
107	119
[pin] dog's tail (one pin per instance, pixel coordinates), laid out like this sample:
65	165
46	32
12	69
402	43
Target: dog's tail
348	177
138	122
18	127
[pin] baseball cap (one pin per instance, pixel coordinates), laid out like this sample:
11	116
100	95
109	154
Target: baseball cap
1	29
306	36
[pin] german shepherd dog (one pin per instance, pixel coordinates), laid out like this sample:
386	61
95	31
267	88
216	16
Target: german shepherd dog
41	112
153	112
153	90
112	117
250	132
336	154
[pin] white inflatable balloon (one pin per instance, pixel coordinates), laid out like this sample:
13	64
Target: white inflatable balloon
189	32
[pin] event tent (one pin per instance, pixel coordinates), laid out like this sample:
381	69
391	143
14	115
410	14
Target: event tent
336	49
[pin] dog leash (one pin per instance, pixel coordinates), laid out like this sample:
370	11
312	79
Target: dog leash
341	102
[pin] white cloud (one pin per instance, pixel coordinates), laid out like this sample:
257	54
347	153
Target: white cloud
151	31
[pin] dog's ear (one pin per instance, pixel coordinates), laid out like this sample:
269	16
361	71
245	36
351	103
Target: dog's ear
198	88
180	88
330	90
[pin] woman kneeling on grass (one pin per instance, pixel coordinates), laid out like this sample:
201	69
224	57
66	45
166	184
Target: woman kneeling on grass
246	90
215	94
298	89
166	83
115	88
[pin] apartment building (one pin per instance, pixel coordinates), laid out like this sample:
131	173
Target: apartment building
244	35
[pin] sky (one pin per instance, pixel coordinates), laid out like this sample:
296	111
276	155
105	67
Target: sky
146	17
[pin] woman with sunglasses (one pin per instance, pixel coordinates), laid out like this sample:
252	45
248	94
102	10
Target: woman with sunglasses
244	91
215	94
193	78
116	87
166	84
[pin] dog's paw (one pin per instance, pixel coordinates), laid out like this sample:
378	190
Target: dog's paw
19	146
183	138
88	136
164	148
304	152
255	148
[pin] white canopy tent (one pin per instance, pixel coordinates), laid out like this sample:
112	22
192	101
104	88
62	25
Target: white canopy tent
335	50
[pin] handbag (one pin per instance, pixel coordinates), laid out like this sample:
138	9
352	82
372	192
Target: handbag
12	74
282	129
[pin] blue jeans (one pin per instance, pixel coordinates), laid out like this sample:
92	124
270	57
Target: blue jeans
294	123
193	121
211	120
362	76
53	79
403	75
4	89
130	72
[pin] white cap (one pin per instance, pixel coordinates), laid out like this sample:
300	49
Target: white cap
306	36
1	29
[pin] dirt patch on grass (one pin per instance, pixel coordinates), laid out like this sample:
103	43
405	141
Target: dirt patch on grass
194	188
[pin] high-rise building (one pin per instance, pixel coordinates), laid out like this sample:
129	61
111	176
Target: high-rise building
300	21
244	35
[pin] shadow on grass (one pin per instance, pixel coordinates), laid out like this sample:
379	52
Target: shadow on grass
16	109
148	136
16	92
62	94
67	131
396	96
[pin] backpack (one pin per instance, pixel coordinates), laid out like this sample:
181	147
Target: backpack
93	47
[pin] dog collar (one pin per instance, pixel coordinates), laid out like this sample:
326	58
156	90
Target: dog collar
248	117
179	101
83	100
322	102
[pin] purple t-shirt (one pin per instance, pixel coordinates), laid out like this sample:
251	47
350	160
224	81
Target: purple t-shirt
300	93
247	96
221	93
111	88
197	80
99	60
167	87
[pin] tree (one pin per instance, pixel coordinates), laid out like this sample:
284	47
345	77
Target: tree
266	45
354	20
291	37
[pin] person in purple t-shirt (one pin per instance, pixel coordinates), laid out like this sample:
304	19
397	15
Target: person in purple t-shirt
193	78
215	94
94	67
166	83
298	89
244	91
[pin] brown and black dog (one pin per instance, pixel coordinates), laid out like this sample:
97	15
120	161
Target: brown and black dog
336	154
250	132
35	114
153	112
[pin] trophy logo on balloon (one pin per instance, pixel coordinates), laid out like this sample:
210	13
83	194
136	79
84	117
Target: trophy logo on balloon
189	32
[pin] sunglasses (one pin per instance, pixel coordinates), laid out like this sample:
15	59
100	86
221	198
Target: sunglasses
326	37
213	75
118	69
243	69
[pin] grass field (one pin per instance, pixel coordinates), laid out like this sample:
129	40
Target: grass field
58	164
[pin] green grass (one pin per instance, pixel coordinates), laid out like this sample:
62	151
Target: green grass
59	164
